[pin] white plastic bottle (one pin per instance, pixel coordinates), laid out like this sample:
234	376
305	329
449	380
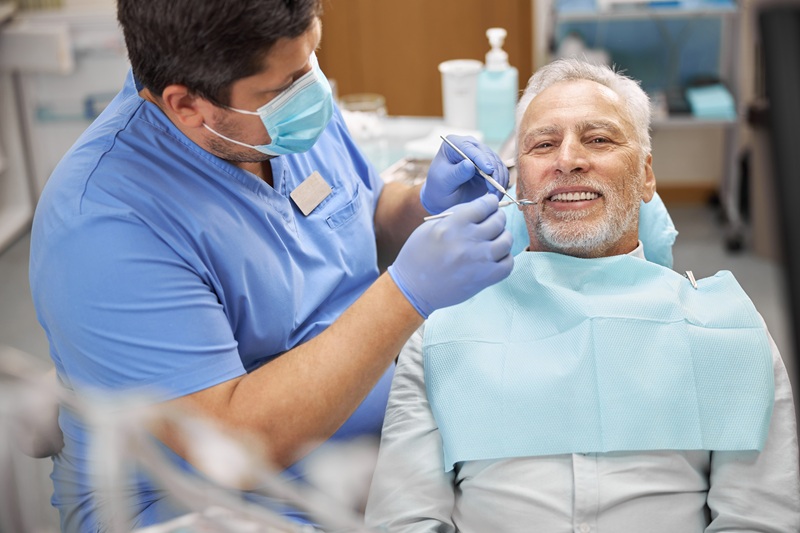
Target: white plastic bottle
497	91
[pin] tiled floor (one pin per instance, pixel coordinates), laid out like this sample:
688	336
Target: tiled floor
700	248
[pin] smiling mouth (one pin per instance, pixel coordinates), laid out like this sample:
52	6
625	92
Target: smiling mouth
574	196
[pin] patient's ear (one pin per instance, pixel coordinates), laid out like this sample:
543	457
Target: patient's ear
649	187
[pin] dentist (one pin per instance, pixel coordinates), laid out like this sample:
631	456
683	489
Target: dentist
213	239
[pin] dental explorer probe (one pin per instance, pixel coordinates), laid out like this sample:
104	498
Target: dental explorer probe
486	176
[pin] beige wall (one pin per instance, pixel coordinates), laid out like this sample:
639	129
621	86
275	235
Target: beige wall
688	157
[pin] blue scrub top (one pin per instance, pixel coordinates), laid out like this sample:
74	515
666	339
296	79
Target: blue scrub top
159	268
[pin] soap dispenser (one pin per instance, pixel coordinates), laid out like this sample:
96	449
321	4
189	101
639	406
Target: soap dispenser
497	91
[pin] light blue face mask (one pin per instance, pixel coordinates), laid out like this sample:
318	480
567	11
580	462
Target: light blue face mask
295	118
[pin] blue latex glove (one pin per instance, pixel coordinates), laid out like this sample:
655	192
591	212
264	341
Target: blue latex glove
448	260
453	180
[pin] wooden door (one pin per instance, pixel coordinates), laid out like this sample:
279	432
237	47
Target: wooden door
394	48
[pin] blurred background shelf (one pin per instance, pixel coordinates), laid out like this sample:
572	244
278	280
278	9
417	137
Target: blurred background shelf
669	47
577	11
6	10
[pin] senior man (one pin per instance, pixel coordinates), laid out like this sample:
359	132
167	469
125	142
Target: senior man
592	390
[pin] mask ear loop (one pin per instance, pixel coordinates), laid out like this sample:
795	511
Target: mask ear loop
242	111
234	141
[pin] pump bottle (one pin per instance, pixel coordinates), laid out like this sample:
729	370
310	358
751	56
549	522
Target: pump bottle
497	91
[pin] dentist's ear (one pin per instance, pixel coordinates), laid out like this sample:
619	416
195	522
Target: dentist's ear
185	107
649	188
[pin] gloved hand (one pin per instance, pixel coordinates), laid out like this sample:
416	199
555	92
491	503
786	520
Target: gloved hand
448	260
453	180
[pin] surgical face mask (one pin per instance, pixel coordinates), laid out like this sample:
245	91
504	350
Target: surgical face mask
295	118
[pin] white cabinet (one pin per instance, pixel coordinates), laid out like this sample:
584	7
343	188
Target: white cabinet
69	63
58	70
16	203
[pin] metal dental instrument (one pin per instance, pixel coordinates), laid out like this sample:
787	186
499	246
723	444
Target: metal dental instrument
504	203
487	177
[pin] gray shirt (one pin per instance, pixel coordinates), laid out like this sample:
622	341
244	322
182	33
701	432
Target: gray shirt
656	492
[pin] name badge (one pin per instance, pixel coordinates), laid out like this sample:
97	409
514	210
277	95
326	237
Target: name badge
309	194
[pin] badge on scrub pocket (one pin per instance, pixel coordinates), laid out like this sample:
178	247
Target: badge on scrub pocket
310	193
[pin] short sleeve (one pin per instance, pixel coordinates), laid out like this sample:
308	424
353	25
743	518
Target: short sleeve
124	311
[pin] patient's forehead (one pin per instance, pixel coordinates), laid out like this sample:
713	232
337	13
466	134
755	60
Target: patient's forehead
572	101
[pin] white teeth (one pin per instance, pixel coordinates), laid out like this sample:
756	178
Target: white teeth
573	196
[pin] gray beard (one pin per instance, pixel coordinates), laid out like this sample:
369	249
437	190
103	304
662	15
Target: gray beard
569	236
585	240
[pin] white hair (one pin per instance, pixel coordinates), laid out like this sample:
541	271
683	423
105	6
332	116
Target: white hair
571	69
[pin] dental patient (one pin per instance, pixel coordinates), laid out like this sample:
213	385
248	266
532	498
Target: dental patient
593	390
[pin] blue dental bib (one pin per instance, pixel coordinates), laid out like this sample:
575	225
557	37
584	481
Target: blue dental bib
571	355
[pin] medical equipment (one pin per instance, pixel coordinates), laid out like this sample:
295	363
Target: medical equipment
120	431
487	177
410	170
26	402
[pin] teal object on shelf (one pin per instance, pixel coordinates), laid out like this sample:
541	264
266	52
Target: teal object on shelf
497	91
712	101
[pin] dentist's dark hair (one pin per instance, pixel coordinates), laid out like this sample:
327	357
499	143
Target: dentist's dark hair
207	45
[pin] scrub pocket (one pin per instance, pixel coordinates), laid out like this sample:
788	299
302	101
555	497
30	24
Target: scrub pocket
345	214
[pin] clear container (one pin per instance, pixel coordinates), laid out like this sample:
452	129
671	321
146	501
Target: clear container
460	92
